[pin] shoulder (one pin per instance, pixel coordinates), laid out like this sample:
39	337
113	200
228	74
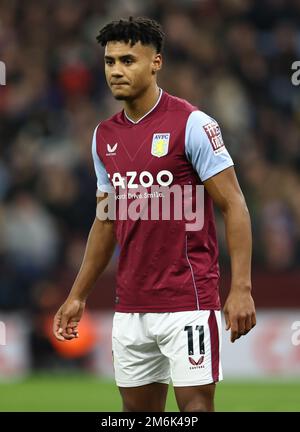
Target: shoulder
105	127
198	117
174	103
108	122
194	116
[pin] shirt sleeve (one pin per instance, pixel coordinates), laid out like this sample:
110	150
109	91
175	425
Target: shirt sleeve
103	183
204	145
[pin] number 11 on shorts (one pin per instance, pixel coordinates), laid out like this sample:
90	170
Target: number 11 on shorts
189	330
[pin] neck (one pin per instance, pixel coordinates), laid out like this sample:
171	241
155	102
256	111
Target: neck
137	108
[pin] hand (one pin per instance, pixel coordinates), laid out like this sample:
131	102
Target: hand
239	311
66	320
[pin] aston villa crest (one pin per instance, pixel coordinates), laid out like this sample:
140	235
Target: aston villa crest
160	144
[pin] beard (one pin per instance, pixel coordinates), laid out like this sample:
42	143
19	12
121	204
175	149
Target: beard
121	94
121	97
134	94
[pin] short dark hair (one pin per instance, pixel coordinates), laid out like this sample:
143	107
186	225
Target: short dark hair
133	30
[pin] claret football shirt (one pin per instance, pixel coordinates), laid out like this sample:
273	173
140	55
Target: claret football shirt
164	264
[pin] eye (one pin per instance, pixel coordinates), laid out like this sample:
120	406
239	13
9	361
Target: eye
128	61
108	62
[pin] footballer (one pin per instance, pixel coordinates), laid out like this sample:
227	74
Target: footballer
167	319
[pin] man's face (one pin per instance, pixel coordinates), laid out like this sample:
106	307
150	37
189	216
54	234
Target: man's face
129	70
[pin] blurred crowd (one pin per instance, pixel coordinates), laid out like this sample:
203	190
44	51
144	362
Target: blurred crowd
232	58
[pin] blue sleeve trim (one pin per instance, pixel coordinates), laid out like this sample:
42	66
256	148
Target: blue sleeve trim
103	183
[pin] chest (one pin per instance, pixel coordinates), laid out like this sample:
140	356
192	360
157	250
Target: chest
147	153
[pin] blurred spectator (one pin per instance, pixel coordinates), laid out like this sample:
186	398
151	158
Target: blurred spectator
278	236
30	238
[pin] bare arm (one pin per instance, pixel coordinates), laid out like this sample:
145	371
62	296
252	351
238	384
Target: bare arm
99	249
239	309
98	252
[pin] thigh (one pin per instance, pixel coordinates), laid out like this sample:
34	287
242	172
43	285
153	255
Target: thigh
137	358
192	342
148	398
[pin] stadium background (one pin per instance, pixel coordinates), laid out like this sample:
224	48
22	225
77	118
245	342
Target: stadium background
232	58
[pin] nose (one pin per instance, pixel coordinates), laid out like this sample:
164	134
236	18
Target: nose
116	72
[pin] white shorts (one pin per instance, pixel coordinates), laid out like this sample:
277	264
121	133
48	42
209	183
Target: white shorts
157	347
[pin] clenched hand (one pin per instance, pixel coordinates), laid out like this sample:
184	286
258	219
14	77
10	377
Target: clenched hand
66	320
239	312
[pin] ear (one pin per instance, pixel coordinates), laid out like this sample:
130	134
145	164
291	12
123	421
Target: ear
156	63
